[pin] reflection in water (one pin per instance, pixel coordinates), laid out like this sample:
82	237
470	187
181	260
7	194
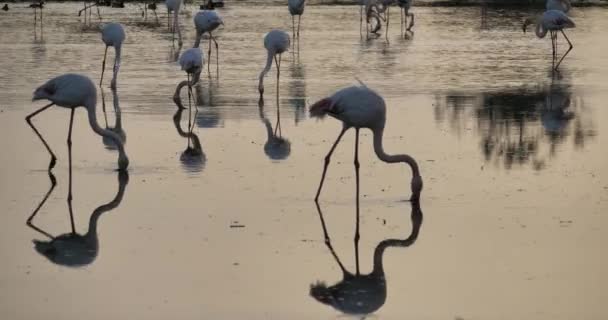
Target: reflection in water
210	117
362	294
110	145
516	125
297	86
276	147
174	52
73	249
193	159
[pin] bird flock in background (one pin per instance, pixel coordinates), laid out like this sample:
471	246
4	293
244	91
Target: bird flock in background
356	106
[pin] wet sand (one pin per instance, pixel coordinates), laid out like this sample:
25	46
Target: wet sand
514	203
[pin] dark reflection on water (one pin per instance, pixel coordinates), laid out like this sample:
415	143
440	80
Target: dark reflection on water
276	147
362	294
523	125
118	129
193	158
73	249
207	98
297	85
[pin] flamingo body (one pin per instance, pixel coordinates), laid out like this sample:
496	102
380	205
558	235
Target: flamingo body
207	21
296	7
276	42
356	106
192	60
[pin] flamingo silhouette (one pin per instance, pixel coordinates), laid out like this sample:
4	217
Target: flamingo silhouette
553	21
362	294
361	107
276	42
296	8
72	91
276	147
193	159
207	21
113	35
73	249
36	6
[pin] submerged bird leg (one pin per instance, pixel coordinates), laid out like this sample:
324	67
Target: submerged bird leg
327	160
293	27
327	240
46	196
567	51
70	171
357	199
103	65
411	15
29	121
299	18
189	105
217	53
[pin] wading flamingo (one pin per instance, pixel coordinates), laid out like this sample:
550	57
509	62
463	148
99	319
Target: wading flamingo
405	6
191	61
112	34
276	42
72	91
174	6
207	21
553	21
296	8
35	6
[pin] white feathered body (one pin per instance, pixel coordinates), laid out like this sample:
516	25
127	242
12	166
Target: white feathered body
173	5
113	34
276	41
296	7
68	91
207	21
556	20
192	60
355	106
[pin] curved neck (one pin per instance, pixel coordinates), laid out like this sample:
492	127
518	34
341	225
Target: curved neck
117	111
266	69
379	149
267	124
416	217
196	143
105	132
197	42
91	236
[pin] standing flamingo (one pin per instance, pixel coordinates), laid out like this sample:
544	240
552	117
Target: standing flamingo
296	8
360	107
112	34
72	91
553	21
35	6
174	6
207	21
405	6
276	42
191	61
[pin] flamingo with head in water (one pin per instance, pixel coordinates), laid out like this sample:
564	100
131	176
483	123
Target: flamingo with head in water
552	21
276	42
207	21
173	6
113	35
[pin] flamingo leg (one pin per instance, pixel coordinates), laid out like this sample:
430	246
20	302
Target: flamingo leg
361	21
103	107
411	15
327	160
98	13
209	56
568	51
327	240
189	105
387	19
401	14
70	170
299	18
103	65
217	53
293	27
46	196
357	198
29	121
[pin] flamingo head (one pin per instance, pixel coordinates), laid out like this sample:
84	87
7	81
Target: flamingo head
320	108
45	91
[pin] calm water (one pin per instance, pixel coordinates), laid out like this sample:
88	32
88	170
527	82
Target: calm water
512	222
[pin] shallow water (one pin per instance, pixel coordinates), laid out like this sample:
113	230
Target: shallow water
513	212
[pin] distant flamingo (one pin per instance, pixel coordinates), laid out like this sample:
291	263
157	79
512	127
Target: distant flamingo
174	6
405	6
207	21
72	91
191	61
553	21
35	6
112	34
276	42
296	8
560	5
360	107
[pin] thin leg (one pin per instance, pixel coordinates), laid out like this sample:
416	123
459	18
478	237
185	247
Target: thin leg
357	198
411	15
189	105
387	19
209	56
299	19
327	160
103	65
361	21
46	196
401	13
327	240
568	51
217	53
29	121
70	170
98	13
293	27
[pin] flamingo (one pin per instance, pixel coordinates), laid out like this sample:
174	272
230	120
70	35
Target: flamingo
72	91
362	294
360	107
276	42
174	6
553	21
560	5
36	5
73	249
296	8
405	6
112	34
207	21
191	61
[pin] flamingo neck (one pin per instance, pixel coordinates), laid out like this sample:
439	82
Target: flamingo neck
197	42
379	149
91	235
123	160
265	71
416	218
117	111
